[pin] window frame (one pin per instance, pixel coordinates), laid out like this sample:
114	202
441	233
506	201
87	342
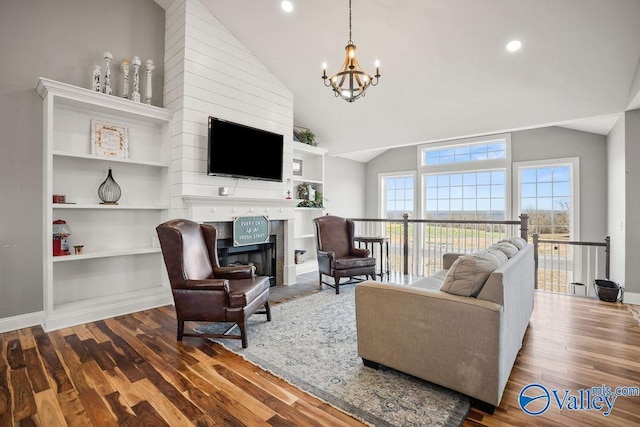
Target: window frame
574	165
471	166
382	193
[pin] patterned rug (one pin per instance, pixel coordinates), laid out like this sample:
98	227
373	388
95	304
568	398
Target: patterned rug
312	344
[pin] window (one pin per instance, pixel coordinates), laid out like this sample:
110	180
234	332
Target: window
466	179
398	193
471	195
546	193
463	153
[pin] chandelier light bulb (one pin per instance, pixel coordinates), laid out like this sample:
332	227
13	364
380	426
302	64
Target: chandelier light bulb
377	63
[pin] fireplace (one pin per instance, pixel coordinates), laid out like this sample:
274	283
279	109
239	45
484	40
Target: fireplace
262	256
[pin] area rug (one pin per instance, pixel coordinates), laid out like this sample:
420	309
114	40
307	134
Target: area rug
312	344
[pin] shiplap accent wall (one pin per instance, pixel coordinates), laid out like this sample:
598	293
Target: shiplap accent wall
208	72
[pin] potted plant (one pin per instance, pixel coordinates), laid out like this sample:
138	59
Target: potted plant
304	135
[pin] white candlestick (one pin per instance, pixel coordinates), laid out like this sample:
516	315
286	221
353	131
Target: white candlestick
147	85
107	72
125	78
95	81
135	96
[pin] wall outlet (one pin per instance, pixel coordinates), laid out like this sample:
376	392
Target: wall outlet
223	191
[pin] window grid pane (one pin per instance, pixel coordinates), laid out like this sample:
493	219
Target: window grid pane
545	195
465	153
398	194
477	195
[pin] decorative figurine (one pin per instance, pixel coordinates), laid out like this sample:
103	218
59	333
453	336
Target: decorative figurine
125	78
135	96
107	72
147	84
95	81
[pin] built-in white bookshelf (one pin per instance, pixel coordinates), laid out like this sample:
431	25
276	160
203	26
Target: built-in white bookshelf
121	268
312	159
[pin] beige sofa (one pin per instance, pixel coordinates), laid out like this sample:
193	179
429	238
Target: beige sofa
467	344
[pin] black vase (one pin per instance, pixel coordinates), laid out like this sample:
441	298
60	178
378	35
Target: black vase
109	191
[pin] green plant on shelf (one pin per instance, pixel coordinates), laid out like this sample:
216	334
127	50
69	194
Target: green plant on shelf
310	198
305	136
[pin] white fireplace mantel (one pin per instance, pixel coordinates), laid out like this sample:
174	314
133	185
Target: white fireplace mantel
226	208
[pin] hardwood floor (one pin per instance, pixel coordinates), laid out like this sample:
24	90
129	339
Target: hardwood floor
131	371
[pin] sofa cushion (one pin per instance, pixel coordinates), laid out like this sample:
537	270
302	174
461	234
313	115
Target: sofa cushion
501	256
516	241
507	248
468	274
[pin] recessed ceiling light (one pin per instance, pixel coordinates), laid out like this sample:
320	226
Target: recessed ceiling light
287	6
514	45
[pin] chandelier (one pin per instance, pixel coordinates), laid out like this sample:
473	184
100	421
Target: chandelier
351	81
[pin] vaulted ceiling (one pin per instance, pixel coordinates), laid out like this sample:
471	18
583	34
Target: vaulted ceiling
445	70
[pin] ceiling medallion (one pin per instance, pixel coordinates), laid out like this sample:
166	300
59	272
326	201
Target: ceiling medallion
351	81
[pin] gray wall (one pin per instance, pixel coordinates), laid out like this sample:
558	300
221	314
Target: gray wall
397	159
616	184
535	144
60	40
344	186
556	142
632	208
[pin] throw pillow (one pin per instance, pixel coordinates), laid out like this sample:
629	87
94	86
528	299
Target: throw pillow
516	241
500	256
469	273
507	248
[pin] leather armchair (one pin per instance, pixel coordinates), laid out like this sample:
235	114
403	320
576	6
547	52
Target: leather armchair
337	255
202	290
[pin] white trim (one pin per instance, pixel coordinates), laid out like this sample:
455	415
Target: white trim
381	198
632	298
93	312
21	321
574	165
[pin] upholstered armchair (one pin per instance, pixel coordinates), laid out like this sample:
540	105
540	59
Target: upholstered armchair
202	290
337	255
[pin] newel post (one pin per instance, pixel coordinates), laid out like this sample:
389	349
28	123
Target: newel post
524	226
535	259
405	249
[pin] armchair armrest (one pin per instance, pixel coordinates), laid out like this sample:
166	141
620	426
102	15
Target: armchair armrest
207	285
330	255
231	273
360	252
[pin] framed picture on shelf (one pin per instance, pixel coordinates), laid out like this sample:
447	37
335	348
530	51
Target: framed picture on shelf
297	167
109	140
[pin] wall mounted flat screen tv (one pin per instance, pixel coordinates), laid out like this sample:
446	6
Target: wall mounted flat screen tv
240	151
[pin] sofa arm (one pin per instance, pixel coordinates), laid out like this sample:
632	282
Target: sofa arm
449	258
207	285
447	339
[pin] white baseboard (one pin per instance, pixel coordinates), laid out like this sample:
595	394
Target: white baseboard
93	314
632	298
21	321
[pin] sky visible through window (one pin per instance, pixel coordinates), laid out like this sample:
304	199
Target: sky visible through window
545	194
469	195
398	191
465	153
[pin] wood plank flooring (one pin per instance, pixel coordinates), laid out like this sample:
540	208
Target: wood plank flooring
131	371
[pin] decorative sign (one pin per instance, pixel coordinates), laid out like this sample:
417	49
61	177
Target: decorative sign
250	230
109	140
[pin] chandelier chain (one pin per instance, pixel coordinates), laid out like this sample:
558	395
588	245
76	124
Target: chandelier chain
350	42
